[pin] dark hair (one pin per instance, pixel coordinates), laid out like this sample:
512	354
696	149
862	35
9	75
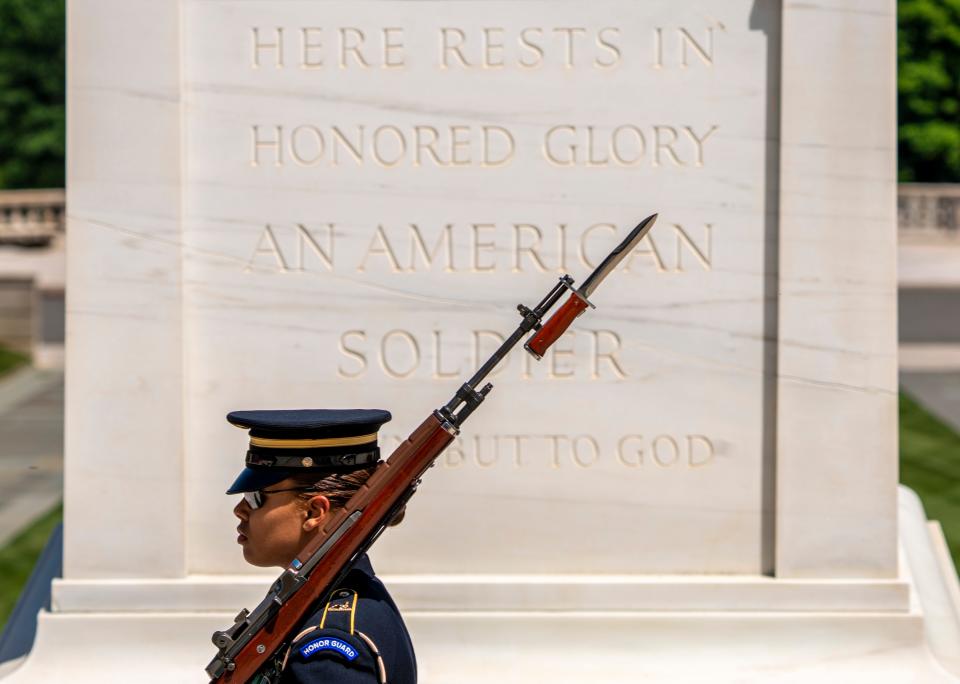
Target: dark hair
339	488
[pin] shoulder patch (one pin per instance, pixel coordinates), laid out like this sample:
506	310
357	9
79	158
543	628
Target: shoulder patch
328	643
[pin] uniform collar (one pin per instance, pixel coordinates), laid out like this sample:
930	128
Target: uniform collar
363	565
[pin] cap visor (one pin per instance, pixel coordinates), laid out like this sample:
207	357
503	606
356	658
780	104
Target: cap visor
252	479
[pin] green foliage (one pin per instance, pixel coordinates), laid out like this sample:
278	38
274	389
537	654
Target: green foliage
929	90
18	558
32	93
10	360
930	466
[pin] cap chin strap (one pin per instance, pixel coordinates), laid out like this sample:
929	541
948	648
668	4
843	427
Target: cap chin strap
314	461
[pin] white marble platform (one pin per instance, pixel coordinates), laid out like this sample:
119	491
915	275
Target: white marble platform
740	630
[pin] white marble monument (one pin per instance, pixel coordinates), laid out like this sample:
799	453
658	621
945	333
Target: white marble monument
339	204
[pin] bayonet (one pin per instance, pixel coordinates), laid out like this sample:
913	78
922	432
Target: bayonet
580	297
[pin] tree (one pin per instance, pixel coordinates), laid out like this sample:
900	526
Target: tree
32	93
929	90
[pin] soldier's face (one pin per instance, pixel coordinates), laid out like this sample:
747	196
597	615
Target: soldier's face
274	533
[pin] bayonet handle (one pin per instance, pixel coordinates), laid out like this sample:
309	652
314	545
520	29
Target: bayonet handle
556	325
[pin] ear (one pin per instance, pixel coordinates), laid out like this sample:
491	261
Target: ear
317	509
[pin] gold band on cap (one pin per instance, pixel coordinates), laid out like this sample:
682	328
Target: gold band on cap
311	443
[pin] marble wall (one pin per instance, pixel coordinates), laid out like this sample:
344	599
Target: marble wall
340	204
371	189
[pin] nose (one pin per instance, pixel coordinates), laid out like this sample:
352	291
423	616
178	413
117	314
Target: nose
242	509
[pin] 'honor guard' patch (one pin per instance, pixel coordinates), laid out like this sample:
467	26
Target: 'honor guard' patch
329	644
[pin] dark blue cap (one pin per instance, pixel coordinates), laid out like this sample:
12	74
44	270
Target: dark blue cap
291	442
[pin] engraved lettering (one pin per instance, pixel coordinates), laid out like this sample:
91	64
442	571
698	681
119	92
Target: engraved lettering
311	39
340	140
570	155
698	142
351	42
482	245
658	48
272	248
296	144
706	450
624	145
438	372
447	48
586	451
592	154
379	244
519	248
526	41
506	136
460	145
665	137
276	46
274	144
493	48
305	239
555	448
705	259
487	146
668	455
352	353
494	453
429	145
619	144
607	44
632	457
570	34
418	245
518	442
611	356
393	48
705	54
562	246
400	145
403	341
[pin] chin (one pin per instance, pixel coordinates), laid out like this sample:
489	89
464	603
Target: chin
252	558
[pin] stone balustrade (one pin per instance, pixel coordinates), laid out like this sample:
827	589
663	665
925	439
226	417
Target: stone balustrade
929	209
31	218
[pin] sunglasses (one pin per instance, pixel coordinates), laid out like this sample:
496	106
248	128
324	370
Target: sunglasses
255	499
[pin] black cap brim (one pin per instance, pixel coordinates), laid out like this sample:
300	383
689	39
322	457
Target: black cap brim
251	479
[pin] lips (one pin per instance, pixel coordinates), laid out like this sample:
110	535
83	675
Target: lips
241	537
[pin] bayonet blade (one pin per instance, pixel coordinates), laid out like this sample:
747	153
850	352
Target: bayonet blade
616	256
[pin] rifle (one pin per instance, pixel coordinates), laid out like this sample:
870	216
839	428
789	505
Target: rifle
249	650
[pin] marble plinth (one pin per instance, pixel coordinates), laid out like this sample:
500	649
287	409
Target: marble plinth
339	204
741	630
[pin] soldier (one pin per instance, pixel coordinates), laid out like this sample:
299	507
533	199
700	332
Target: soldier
303	465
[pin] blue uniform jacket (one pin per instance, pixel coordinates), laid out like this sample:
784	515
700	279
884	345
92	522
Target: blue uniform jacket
358	637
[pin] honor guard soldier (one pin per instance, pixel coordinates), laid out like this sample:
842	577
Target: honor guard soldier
302	466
